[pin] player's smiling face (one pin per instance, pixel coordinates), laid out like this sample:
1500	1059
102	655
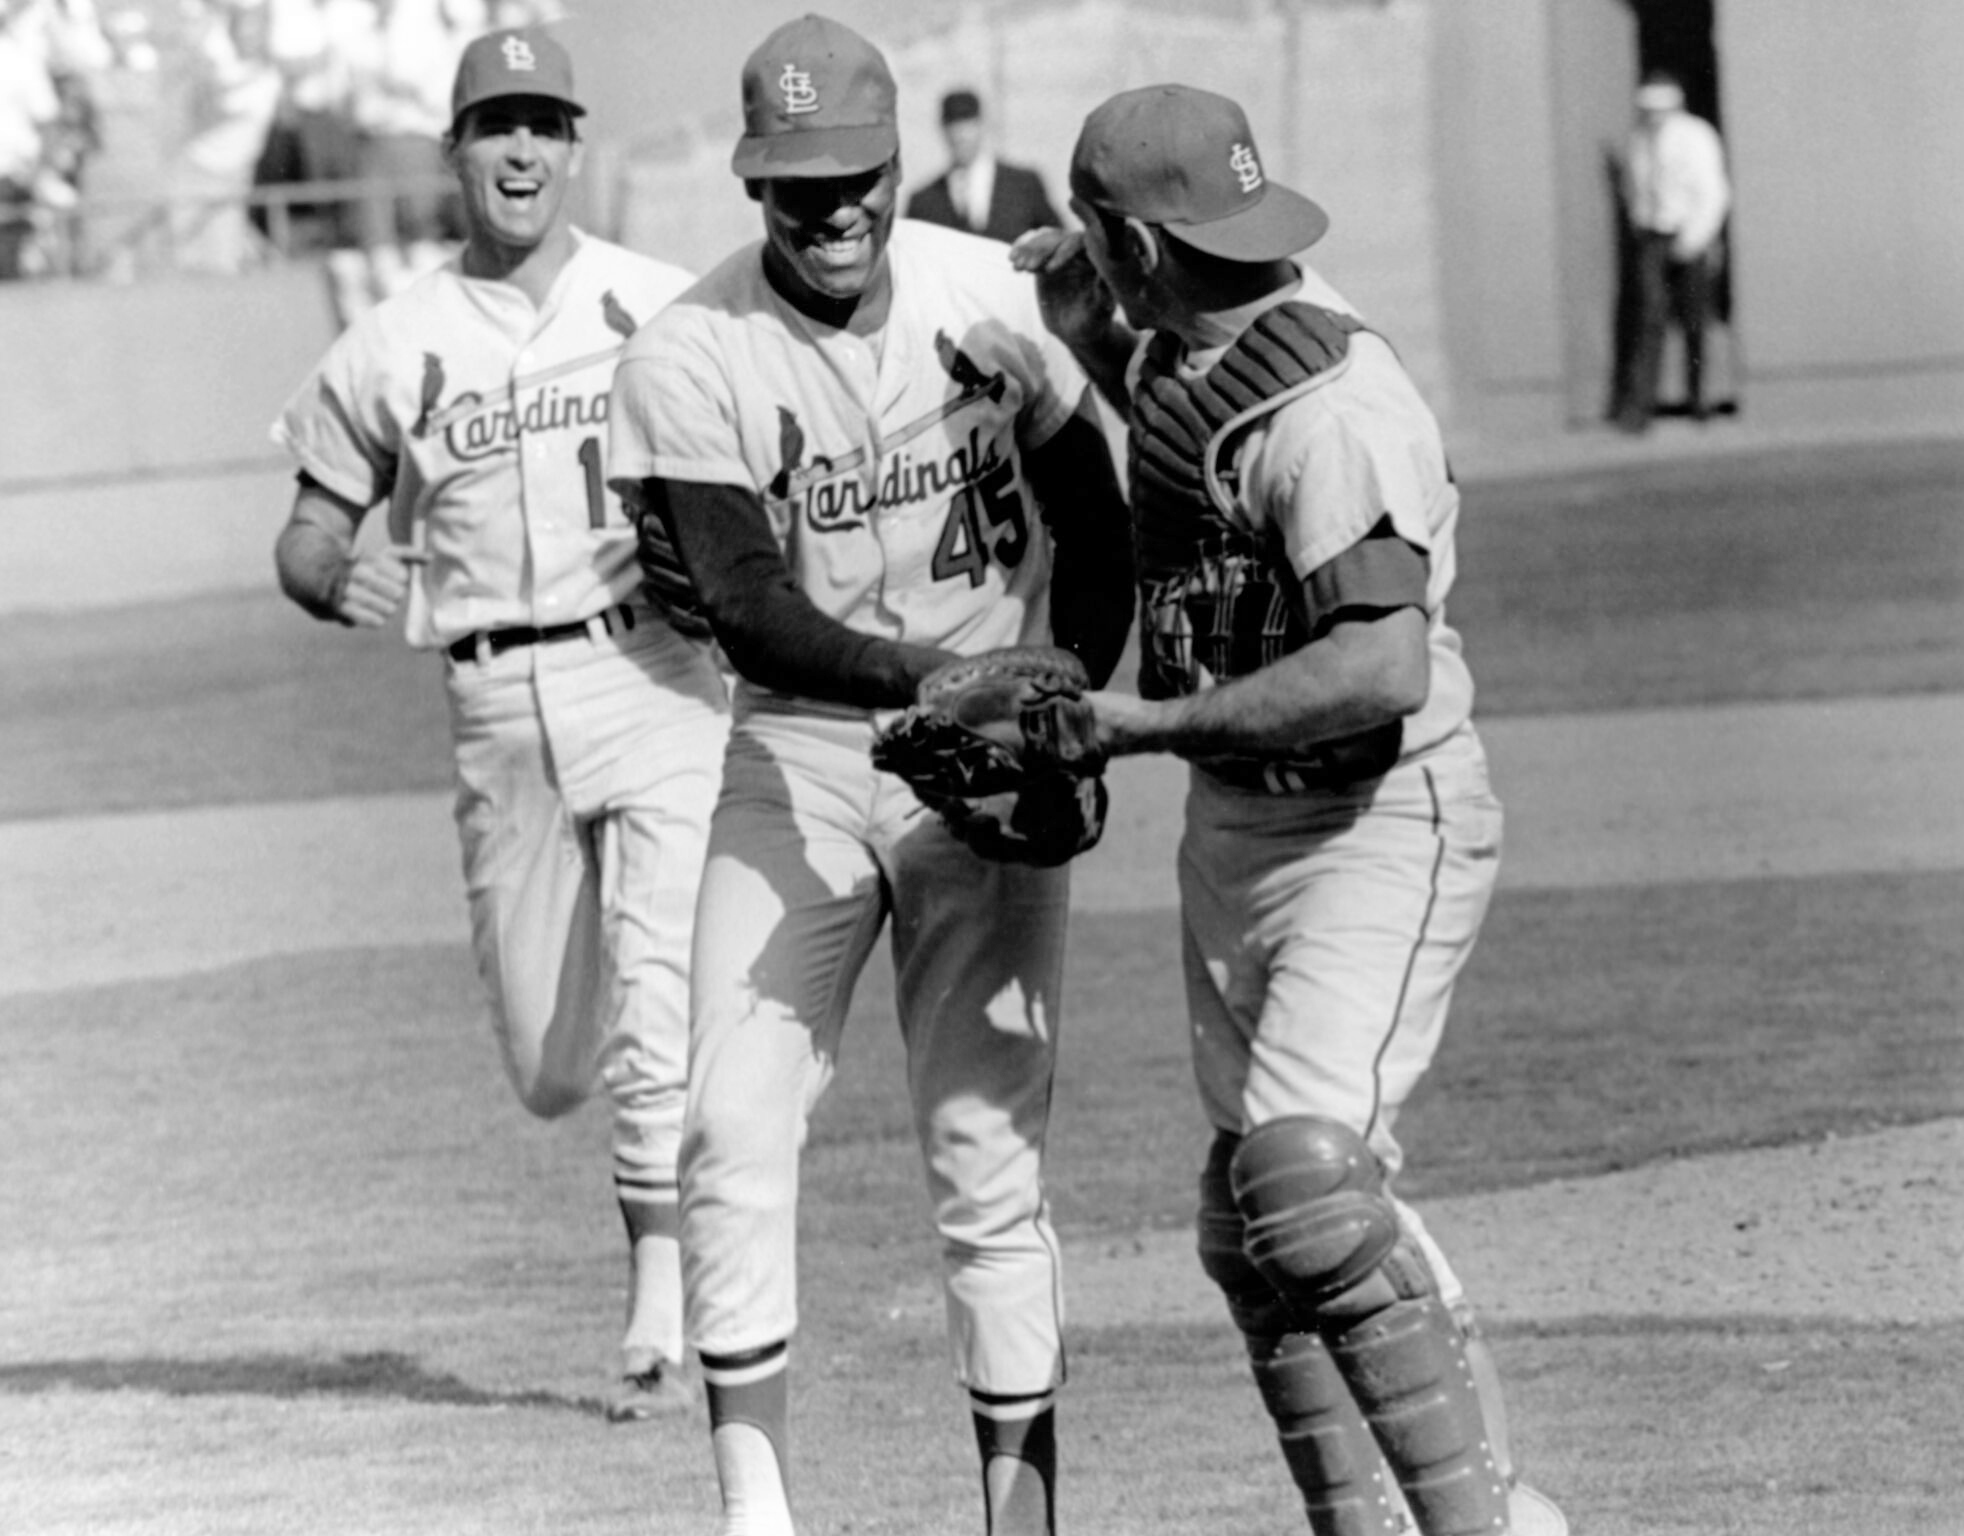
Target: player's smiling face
825	235
515	158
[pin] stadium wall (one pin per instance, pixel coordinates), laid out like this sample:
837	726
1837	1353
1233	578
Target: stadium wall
162	377
1846	130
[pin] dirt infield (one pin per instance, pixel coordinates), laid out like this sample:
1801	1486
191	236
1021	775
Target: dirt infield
1859	1228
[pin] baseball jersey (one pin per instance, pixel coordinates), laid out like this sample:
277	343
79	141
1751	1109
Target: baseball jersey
1356	448
440	398
890	466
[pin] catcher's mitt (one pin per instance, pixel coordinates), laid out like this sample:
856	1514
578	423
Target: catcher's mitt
1004	749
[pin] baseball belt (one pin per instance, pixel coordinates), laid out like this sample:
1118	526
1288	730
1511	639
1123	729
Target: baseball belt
483	644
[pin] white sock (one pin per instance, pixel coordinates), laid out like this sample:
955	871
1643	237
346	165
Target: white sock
654	1309
754	1503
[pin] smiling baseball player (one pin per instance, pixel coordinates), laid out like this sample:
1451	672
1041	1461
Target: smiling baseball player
588	734
872	460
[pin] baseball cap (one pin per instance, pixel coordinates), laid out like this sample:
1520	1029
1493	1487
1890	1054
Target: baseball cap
818	100
1185	159
515	61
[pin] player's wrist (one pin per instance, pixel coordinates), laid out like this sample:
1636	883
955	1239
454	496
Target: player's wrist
1127	724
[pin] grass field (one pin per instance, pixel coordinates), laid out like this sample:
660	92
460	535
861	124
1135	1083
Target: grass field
281	1253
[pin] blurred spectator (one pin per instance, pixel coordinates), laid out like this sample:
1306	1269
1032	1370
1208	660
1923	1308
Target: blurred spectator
76	52
234	98
978	192
1675	200
29	106
315	44
130	35
401	107
500	14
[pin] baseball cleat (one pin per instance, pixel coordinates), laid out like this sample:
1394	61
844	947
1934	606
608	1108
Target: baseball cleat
658	1392
1531	1512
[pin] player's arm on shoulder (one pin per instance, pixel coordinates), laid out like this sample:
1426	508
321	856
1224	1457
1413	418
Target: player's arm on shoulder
1093	582
772	633
1367	664
321	570
1079	310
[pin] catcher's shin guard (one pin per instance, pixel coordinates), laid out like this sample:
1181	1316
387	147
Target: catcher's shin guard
1322	1231
1331	1454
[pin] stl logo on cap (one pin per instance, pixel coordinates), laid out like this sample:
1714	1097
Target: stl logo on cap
519	57
1247	169
800	95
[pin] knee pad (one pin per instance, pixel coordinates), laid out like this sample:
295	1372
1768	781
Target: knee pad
1319	1227
1258	1310
1318	1222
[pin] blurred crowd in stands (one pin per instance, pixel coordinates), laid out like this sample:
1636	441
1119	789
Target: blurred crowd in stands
214	135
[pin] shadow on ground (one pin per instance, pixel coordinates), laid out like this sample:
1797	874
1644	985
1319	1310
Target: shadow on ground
382	1375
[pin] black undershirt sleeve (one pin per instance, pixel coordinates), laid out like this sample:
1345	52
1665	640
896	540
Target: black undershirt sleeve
1093	586
771	632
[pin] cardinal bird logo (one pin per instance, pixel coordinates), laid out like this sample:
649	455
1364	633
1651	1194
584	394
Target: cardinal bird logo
619	321
961	368
432	391
790	451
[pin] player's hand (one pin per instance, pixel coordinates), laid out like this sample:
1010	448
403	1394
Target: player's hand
374	584
1076	305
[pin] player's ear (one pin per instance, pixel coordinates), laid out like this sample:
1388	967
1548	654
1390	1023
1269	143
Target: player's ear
453	136
753	189
1142	246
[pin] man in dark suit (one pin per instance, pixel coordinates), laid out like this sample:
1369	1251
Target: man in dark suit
978	192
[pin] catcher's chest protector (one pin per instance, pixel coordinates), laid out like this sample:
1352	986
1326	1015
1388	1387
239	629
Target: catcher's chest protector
1220	601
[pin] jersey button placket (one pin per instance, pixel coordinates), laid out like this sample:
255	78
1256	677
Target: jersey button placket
861	370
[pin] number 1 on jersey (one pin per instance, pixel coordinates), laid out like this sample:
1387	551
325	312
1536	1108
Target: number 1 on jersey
596	482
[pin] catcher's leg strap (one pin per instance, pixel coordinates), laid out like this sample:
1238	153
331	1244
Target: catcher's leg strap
1332	1455
1323	1232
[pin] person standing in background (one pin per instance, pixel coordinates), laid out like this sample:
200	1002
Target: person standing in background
400	107
315	44
77	53
1675	197
978	192
236	97
29	107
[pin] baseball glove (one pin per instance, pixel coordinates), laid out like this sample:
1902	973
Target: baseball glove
1003	747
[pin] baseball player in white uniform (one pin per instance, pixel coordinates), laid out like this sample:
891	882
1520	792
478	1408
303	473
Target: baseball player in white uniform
871	458
1295	519
589	735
